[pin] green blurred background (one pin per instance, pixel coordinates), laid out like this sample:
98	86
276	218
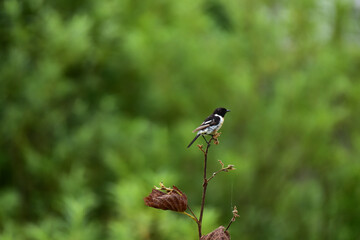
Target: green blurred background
98	100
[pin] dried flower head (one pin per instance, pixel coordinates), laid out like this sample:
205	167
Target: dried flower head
229	167
173	199
218	234
226	169
235	213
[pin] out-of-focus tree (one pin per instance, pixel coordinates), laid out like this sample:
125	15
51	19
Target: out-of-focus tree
98	100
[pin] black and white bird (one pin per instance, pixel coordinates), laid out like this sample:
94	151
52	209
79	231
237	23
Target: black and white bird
211	124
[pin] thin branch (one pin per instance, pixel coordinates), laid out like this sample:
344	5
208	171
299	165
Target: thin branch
231	221
204	186
193	218
192	213
223	169
214	174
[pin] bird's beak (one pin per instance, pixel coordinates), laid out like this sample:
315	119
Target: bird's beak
228	110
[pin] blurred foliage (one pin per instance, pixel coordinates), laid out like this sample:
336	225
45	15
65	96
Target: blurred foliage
98	100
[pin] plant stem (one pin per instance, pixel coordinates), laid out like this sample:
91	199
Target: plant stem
205	183
214	174
192	213
192	217
231	221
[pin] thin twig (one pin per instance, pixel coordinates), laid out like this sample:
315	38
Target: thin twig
231	221
192	213
193	218
223	169
214	174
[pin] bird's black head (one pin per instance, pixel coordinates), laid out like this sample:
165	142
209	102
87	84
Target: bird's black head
221	111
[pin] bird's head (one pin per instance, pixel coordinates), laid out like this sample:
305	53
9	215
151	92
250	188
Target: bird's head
221	111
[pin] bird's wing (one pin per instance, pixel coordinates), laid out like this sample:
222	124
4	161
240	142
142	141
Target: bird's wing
209	121
200	127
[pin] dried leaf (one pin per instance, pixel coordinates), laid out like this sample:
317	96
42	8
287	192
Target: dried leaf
173	200
217	234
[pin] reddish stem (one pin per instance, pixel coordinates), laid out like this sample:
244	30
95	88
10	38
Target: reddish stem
205	183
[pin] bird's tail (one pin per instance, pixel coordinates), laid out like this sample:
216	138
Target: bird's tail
193	140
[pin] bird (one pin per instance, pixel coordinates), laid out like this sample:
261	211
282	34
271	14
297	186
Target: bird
211	124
